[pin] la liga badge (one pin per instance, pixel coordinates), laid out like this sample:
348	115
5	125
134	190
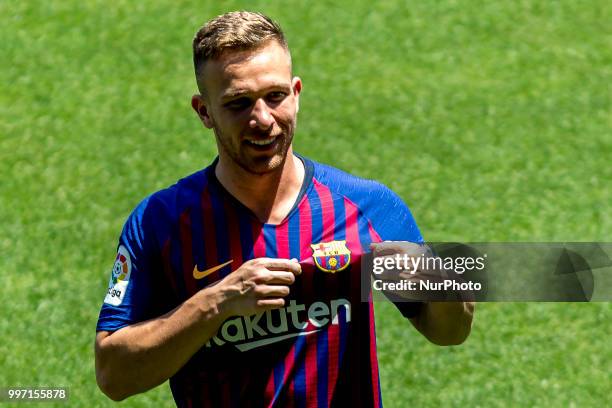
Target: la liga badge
120	277
332	256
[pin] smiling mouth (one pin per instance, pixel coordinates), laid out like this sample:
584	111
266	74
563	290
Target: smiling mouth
263	142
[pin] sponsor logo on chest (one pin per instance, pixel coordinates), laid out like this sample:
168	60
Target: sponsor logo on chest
265	328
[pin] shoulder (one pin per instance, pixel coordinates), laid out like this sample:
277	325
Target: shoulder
387	212
162	208
173	200
363	192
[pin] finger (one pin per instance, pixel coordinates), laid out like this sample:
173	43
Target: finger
267	304
289	265
392	245
422	276
280	277
266	276
396	247
386	265
210	285
271	291
408	276
410	250
388	274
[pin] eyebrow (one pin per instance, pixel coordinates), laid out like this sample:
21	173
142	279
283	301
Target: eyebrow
236	92
232	93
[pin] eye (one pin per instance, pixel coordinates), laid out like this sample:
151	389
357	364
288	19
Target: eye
276	96
238	104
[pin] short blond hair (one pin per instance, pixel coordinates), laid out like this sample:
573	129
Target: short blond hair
235	31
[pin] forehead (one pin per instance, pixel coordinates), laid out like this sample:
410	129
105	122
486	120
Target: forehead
248	71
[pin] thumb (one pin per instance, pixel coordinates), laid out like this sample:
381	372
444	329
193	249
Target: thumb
375	246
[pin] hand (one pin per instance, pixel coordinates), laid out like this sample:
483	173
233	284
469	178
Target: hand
259	284
412	258
414	265
446	316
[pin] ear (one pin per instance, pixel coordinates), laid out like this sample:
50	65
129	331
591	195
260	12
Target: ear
198	104
296	86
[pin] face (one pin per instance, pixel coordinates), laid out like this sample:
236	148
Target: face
251	103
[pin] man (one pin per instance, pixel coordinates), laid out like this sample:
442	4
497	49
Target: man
240	283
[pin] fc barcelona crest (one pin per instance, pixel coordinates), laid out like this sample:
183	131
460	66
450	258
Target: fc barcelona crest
331	256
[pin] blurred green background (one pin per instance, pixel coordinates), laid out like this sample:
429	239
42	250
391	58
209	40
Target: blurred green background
491	119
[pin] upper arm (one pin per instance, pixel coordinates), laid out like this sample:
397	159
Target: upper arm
101	335
129	295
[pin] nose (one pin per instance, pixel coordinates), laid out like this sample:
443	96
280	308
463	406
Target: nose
261	116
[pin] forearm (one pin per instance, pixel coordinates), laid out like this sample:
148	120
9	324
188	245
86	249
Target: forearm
150	352
445	323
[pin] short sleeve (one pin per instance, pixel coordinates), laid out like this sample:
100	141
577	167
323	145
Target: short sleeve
393	221
129	293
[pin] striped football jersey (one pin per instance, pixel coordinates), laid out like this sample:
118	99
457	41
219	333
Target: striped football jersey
317	351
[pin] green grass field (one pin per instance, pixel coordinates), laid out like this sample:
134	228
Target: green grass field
491	119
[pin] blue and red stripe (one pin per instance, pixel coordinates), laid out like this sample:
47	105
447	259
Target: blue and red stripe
308	374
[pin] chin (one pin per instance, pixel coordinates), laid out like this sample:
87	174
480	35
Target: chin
264	165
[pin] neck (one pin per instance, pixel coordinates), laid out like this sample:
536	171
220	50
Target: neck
269	196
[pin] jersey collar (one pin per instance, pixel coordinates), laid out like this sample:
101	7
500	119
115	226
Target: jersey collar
306	185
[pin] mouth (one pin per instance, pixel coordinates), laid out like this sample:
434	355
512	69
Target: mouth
263	144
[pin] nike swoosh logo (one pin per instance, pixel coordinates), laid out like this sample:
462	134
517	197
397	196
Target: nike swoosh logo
265	342
202	274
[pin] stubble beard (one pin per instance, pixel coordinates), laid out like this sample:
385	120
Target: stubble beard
259	164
